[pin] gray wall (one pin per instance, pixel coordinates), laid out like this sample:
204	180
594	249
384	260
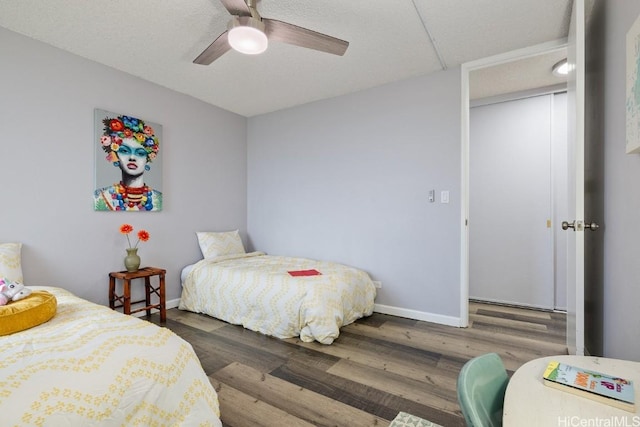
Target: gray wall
47	98
347	179
622	196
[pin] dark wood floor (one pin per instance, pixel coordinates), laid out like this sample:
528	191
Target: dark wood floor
378	366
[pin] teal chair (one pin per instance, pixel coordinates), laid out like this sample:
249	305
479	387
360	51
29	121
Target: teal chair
481	385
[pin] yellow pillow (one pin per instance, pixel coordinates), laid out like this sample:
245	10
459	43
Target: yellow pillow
10	261
37	308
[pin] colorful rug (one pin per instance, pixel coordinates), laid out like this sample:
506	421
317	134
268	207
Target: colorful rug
407	420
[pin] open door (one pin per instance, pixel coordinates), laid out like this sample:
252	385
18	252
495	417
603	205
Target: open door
582	216
575	168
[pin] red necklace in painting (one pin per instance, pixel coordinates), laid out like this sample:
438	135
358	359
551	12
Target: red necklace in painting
132	198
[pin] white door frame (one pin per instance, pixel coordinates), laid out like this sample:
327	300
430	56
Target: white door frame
465	69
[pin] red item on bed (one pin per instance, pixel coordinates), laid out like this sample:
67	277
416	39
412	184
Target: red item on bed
305	273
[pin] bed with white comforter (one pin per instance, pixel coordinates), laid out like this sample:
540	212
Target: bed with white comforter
92	366
257	291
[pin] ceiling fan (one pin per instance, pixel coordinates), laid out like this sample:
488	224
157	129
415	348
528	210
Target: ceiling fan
248	32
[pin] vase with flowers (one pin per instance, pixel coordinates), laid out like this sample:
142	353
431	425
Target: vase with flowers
132	260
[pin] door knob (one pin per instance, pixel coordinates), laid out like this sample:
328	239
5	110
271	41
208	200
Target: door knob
579	225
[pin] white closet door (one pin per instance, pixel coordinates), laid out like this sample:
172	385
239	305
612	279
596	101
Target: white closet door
510	239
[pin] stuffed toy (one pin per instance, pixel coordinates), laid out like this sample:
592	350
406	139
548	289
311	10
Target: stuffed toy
12	291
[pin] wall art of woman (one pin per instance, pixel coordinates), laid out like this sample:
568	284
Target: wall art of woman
131	145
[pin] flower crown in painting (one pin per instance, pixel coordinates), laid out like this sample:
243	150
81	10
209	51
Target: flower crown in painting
122	127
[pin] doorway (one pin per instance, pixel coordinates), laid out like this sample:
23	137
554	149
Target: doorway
467	69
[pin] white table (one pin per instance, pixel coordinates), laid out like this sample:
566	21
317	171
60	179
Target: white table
528	402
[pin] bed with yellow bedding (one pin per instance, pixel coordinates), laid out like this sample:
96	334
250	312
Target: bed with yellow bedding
91	366
279	296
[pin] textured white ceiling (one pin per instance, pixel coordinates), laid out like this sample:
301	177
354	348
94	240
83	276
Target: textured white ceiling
157	40
517	76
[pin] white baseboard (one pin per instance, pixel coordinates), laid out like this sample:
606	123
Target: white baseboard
418	315
378	308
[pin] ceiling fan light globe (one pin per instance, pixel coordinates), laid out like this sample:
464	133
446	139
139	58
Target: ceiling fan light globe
246	35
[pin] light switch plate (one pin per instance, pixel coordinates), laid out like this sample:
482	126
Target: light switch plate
444	196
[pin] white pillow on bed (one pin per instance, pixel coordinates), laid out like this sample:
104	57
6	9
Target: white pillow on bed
214	244
10	261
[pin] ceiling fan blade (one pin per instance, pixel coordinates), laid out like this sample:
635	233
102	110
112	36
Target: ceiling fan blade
236	7
303	37
214	51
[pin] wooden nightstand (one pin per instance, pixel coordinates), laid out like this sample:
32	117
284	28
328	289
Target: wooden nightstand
145	273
